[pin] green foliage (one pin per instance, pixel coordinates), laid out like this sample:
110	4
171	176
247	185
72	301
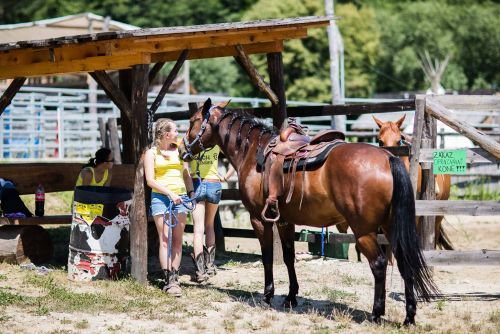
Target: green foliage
383	40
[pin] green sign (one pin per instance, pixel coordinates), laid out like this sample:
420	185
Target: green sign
450	161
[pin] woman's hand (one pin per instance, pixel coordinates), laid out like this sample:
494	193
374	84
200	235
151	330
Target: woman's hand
176	199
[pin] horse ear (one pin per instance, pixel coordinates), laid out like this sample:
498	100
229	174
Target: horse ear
206	106
223	105
400	121
379	122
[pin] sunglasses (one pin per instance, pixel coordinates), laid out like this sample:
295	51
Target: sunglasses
112	160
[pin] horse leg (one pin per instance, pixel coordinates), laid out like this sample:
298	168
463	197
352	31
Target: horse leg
287	236
342	227
378	264
264	232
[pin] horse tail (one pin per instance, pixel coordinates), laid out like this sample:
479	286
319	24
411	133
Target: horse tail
404	240
444	240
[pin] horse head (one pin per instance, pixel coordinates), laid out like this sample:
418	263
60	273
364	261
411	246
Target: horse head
200	135
389	133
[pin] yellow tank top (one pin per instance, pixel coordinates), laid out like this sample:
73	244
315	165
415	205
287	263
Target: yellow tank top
168	172
208	166
93	182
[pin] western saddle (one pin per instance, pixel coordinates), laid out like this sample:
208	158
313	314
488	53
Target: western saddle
284	154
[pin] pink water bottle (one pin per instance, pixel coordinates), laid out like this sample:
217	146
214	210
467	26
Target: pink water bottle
39	201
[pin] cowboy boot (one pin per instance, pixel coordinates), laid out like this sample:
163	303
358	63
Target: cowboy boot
172	286
210	260
199	264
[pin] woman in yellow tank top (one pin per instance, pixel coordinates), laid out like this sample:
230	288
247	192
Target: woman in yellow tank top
207	186
170	182
97	172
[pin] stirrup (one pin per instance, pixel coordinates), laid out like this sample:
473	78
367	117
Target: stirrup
263	213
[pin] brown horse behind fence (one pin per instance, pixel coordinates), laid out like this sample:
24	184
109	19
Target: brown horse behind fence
360	184
390	135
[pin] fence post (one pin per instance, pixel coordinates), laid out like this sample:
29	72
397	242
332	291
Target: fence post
428	192
416	141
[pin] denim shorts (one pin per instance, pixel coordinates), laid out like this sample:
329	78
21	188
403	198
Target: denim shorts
207	191
160	203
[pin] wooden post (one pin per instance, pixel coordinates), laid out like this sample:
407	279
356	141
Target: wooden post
125	78
10	92
428	235
275	69
416	141
138	217
103	132
114	140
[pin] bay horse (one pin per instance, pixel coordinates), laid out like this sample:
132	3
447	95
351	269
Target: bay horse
360	184
390	135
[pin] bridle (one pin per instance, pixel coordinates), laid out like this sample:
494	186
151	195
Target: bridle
188	154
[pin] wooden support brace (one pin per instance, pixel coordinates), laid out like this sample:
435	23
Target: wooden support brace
9	93
113	92
154	71
256	78
447	117
168	82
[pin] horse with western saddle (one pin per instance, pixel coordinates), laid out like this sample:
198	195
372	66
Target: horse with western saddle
288	152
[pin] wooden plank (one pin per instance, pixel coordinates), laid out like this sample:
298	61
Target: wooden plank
254	75
138	228
10	92
153	72
337	109
125	83
427	231
114	140
466	208
90	64
336	238
113	92
47	220
474	155
469	102
276	77
441	113
168	82
138	216
223	51
418	125
462	258
180	32
57	176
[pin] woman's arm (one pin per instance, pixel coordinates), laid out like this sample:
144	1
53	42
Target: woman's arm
149	171
110	175
230	171
188	181
86	177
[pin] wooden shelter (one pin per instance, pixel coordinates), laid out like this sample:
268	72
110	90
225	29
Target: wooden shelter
131	53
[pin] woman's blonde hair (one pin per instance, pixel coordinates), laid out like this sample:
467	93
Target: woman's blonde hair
163	125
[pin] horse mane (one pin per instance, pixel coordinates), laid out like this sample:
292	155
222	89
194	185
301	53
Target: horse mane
245	118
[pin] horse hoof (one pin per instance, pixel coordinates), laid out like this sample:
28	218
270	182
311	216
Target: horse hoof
290	303
374	318
408	322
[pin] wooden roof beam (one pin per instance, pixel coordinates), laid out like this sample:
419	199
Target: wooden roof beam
256	78
113	92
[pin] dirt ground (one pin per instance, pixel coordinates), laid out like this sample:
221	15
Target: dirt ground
335	296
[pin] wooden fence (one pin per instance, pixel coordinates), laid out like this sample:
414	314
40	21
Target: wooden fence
60	177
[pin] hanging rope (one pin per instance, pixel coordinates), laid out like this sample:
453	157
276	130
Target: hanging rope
172	222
